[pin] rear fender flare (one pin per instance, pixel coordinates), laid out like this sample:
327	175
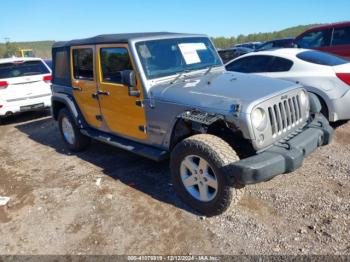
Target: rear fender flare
70	104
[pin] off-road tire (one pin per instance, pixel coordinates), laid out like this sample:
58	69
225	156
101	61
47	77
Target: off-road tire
219	155
81	142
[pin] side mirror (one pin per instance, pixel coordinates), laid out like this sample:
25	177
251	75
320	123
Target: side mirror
129	79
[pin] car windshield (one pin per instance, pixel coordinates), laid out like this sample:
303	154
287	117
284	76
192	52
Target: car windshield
321	58
21	68
167	57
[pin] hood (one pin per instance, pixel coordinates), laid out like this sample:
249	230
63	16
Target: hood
219	91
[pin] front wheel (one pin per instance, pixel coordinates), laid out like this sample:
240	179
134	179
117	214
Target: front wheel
199	175
70	132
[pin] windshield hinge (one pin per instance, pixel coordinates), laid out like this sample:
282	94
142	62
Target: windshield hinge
152	101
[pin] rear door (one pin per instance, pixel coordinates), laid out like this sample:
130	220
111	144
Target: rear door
317	39
123	114
341	42
84	83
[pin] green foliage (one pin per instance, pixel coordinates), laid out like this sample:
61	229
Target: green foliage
40	48
225	42
8	49
43	48
2	51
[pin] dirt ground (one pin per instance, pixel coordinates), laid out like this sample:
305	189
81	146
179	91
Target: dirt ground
108	201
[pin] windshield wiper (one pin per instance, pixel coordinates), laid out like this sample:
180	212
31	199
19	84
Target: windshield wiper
210	68
179	75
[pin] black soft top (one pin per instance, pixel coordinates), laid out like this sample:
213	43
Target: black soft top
112	38
62	49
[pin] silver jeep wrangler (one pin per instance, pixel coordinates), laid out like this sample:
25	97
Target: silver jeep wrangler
164	95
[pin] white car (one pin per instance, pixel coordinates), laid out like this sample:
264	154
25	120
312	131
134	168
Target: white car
323	74
25	85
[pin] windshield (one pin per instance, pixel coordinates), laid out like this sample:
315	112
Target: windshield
167	57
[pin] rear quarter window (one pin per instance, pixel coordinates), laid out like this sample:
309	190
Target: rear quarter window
321	58
61	69
22	68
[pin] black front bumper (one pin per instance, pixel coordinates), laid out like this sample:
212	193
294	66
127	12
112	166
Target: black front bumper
285	157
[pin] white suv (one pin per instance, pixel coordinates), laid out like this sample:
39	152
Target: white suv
24	85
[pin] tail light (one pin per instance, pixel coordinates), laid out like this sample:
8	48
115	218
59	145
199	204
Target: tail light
3	84
47	78
345	77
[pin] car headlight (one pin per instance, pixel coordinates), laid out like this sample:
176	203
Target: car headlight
259	119
304	98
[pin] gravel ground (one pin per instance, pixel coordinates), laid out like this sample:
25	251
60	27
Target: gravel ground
108	201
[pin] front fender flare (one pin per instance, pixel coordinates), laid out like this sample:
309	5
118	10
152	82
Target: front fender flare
192	121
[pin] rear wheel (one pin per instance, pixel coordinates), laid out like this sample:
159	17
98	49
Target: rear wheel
70	132
198	168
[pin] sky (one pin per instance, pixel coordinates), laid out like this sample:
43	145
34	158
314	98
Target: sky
33	20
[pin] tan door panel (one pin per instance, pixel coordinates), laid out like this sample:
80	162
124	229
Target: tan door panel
84	84
119	110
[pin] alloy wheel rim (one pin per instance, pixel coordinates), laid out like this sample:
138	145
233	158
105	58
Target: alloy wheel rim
68	131
198	178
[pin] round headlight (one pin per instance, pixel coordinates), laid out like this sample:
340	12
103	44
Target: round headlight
303	97
259	118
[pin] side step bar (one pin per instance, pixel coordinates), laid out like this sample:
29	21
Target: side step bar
128	145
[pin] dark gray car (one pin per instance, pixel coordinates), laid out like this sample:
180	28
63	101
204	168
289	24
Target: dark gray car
233	52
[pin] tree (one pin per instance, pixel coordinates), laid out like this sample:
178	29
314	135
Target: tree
222	42
11	49
2	51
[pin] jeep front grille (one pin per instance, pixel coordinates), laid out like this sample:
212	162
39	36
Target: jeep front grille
285	115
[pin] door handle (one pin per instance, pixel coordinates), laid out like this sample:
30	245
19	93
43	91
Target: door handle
102	93
75	85
76	88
